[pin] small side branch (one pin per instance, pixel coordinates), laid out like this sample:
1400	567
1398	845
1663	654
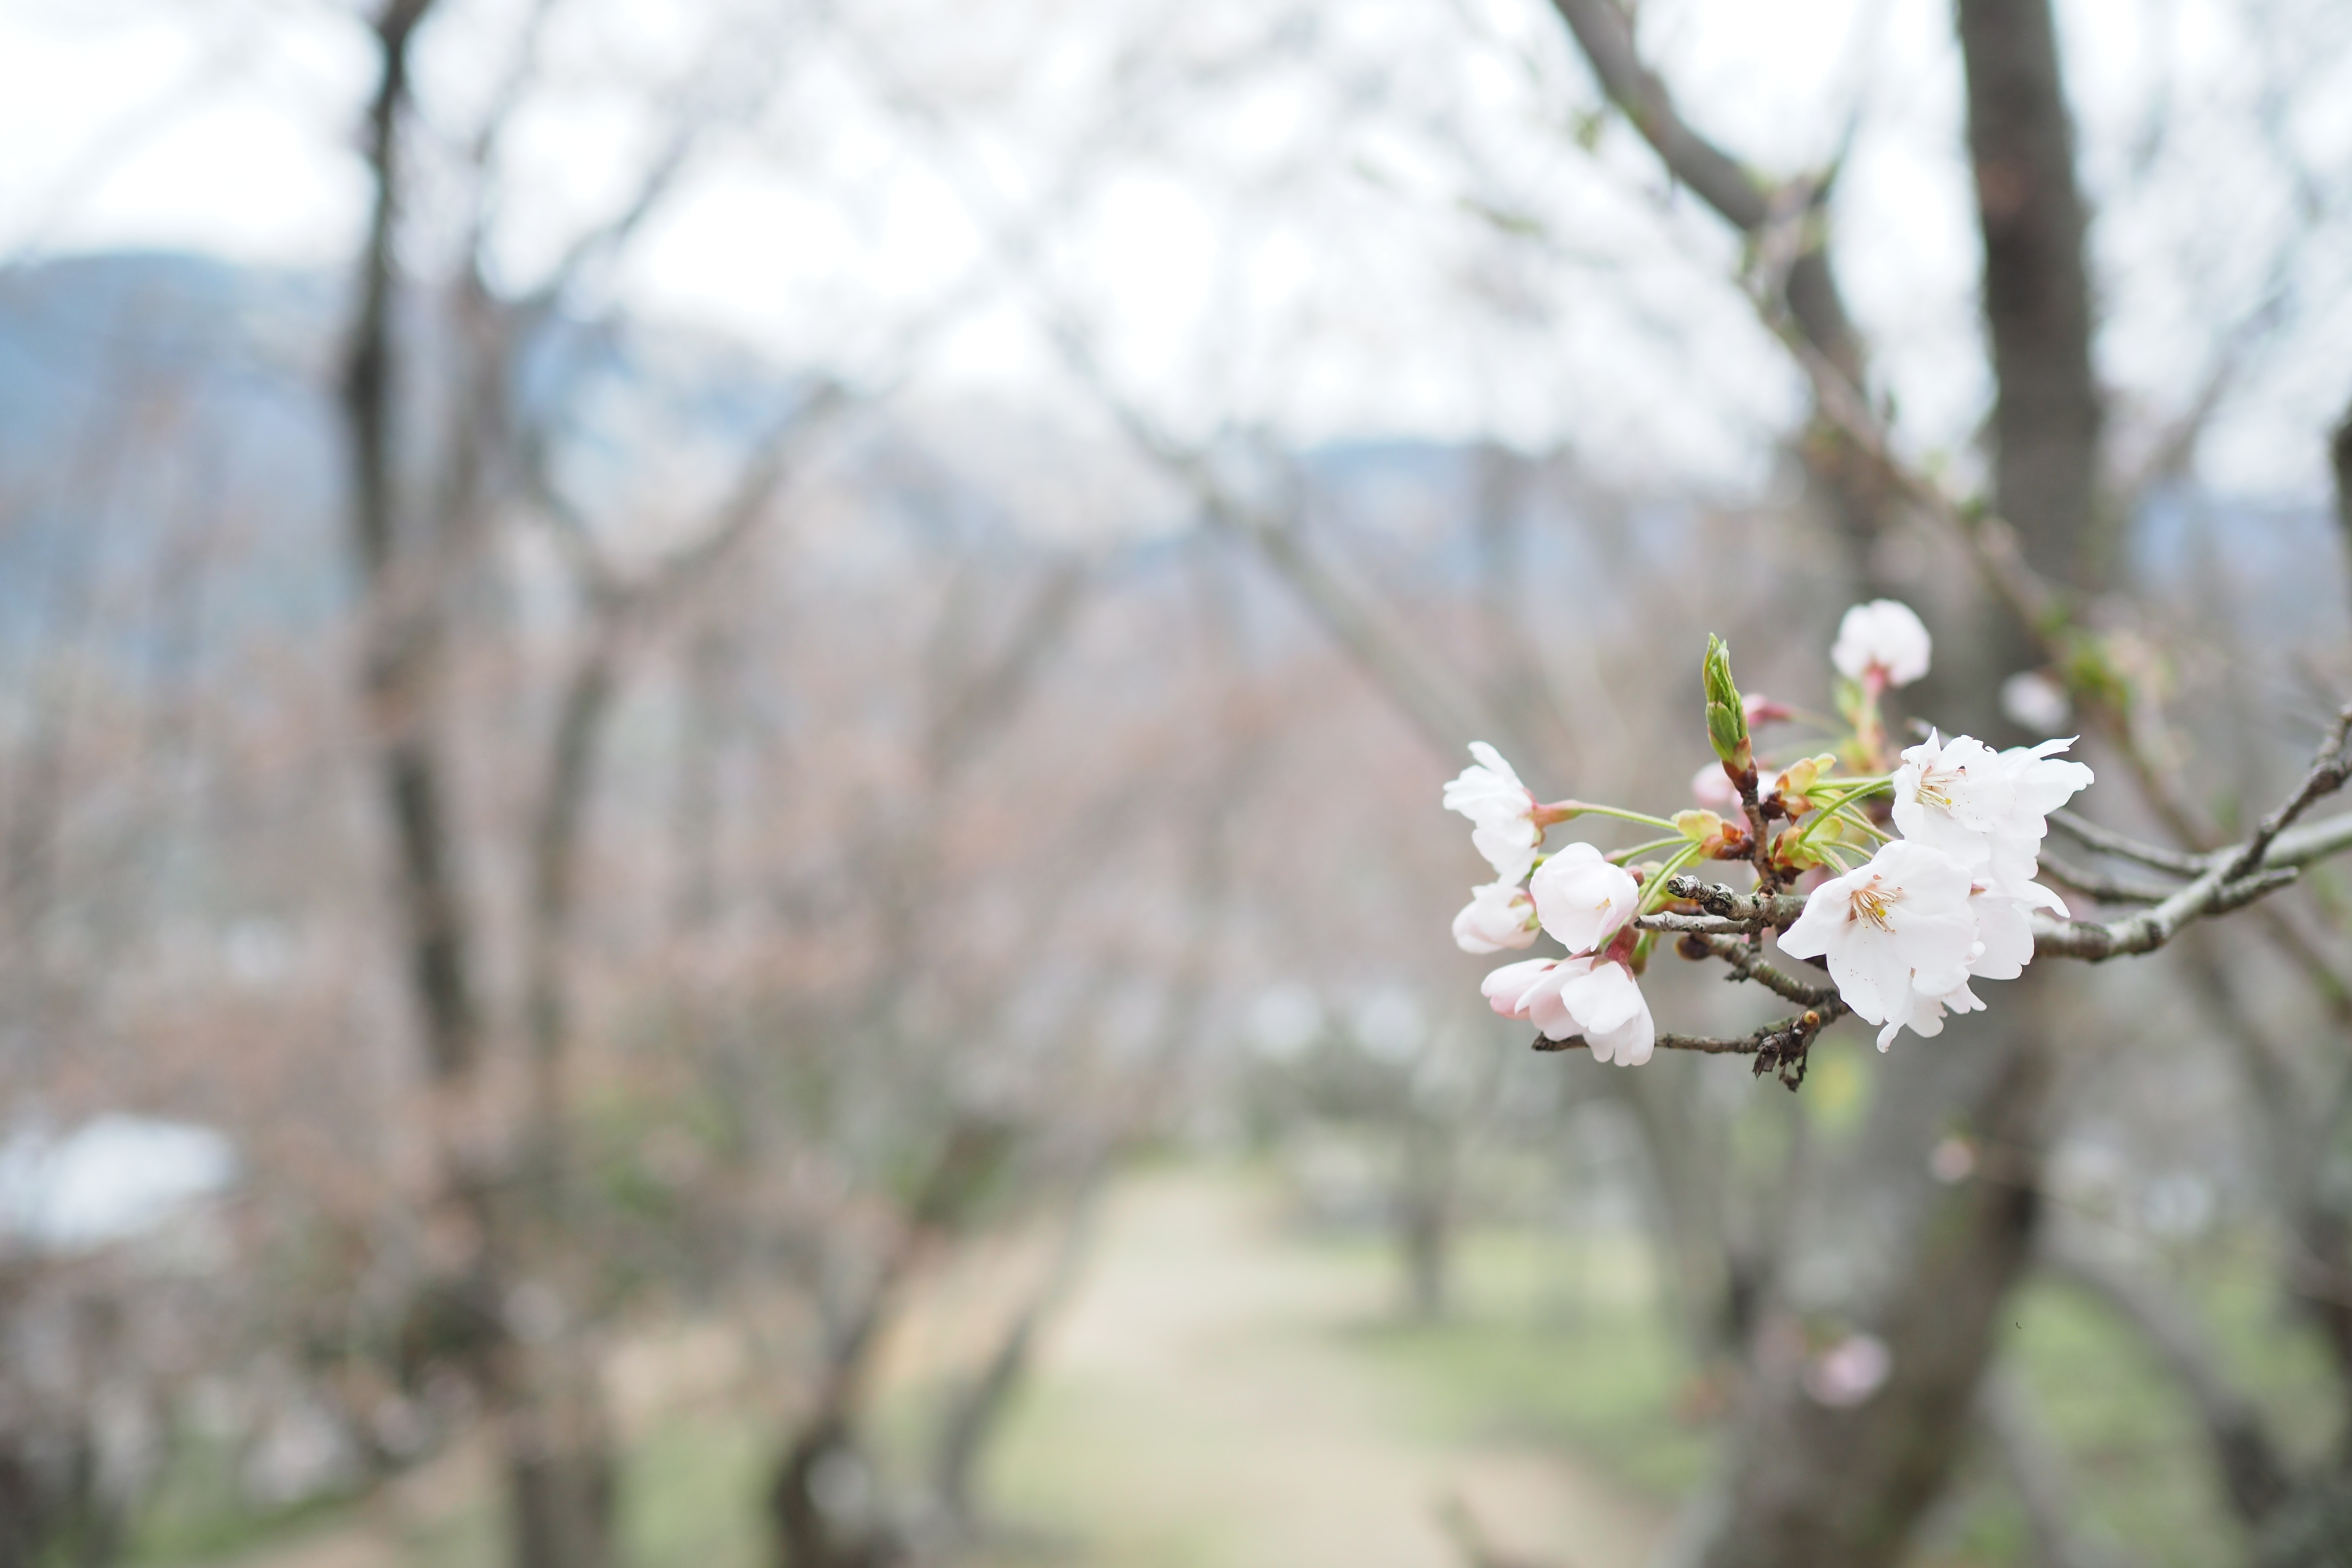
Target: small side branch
1746	965
2227	878
2329	770
1702	925
1726	911
1779	1046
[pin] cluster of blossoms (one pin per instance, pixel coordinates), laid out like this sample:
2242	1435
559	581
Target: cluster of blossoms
1921	873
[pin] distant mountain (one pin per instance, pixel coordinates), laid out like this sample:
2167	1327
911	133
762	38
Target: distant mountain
155	408
159	411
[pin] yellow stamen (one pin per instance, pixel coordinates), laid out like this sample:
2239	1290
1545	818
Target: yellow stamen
1870	904
1932	787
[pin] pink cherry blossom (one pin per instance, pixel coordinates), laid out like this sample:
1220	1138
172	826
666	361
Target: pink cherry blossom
1598	999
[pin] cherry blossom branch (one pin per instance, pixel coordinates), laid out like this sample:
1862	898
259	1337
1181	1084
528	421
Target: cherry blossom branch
2223	881
1726	911
1679	925
1783	1036
1714	920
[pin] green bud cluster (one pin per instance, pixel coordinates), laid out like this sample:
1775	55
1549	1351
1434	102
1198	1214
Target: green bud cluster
1726	718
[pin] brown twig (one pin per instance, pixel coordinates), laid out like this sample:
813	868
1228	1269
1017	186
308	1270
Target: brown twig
1779	1046
1746	965
1680	924
2329	772
1725	910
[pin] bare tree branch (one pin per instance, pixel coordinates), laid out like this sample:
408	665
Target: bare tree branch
2328	775
1781	1043
1605	34
1418	686
2211	894
1748	966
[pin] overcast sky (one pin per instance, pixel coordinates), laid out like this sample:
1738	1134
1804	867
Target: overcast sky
1330	218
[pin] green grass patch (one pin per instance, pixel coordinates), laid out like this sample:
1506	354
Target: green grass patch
1556	1341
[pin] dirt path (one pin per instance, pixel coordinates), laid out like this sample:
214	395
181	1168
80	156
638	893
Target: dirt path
1199	1406
1200	1403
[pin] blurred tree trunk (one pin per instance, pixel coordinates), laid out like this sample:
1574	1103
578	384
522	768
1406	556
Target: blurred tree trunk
1813	1485
542	1401
1810	1484
825	1510
978	1414
559	1448
2046	419
561	1474
695	805
1425	1214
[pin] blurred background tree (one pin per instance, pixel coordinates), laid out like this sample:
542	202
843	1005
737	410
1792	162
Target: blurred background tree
721	741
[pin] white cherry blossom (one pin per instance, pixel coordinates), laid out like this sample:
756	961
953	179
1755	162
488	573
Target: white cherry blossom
1583	899
1899	936
2004	946
1501	812
1884	636
1953	795
1597	998
1926	1019
2004	929
1499	915
2044	784
1981	807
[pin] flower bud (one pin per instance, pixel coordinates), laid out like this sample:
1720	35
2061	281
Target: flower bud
1726	717
1698	827
1797	778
